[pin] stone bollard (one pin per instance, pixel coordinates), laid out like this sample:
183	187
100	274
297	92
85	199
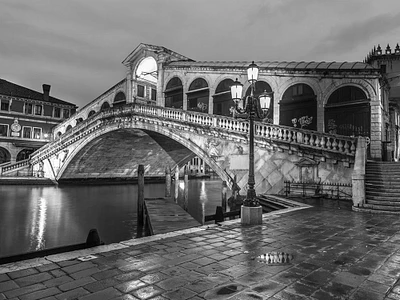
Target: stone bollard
168	182
93	238
176	184
223	194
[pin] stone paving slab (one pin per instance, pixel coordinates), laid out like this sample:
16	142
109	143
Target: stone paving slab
337	254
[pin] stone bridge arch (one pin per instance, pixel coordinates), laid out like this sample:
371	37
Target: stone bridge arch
60	163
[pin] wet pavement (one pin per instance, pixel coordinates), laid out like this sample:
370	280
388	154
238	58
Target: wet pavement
330	253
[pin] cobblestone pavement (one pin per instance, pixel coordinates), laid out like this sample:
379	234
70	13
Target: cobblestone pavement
337	254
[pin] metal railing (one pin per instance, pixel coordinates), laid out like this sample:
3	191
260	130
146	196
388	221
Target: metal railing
319	189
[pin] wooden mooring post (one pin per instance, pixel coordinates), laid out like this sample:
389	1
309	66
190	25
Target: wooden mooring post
223	194
176	184
186	190
140	201
168	182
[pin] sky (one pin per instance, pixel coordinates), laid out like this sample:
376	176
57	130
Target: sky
77	46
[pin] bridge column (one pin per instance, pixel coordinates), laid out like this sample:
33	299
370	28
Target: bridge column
358	177
160	85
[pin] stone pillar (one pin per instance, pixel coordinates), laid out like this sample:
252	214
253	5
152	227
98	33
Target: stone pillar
176	183
160	85
358	176
129	98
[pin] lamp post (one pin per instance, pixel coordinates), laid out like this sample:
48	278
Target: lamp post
251	108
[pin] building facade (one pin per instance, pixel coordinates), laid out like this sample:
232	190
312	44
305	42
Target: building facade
27	118
344	98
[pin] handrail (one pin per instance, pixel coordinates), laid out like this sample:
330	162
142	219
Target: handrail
263	132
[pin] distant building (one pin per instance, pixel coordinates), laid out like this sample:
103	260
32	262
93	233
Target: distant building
388	62
27	118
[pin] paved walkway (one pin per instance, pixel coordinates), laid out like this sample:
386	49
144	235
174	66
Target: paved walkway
337	254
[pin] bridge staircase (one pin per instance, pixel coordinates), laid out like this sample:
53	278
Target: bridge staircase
382	187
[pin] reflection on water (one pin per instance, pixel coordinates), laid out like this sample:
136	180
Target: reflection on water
38	224
38	217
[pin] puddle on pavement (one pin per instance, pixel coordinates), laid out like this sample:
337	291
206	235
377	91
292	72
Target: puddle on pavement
226	290
275	258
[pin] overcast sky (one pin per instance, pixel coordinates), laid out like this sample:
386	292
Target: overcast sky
77	46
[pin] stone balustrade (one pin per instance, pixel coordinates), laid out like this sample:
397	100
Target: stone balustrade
291	135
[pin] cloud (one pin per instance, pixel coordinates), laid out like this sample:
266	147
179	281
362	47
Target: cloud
351	35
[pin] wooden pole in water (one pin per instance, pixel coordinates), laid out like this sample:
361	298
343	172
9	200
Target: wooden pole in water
186	190
176	184
140	201
223	194
167	182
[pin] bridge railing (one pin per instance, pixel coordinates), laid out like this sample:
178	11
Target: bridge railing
263	131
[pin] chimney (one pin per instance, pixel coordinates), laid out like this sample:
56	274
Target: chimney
46	92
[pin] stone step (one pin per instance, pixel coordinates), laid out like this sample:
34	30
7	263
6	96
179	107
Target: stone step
383	202
375	210
382	207
383	190
381	198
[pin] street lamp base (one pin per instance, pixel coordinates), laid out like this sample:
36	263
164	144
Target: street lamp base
251	215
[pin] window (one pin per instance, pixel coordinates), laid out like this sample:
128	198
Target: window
5	105
153	94
26	132
3	130
66	113
28	108
140	91
37	133
57	112
38	110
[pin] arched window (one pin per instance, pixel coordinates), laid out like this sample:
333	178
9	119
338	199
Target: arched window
198	95
223	98
59	134
298	107
24	154
69	127
79	120
348	112
91	113
119	99
5	156
259	88
105	105
174	93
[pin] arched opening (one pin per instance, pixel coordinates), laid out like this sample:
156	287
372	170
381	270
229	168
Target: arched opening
198	95
174	93
91	113
298	107
222	99
24	154
259	88
5	156
120	99
59	134
105	106
348	112
69	127
79	120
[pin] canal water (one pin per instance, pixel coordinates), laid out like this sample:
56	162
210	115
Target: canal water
38	217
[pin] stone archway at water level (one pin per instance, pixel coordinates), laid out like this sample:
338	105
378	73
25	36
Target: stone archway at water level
117	154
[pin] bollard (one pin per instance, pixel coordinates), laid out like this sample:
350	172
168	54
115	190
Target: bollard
176	183
140	200
167	182
223	194
93	238
219	215
186	190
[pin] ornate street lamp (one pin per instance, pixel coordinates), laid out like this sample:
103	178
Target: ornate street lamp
252	108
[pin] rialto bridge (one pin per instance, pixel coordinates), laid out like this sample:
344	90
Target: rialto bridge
282	153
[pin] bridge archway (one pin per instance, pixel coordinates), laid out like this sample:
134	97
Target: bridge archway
24	154
174	93
187	149
5	156
105	106
298	101
119	99
348	112
91	113
222	99
198	95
